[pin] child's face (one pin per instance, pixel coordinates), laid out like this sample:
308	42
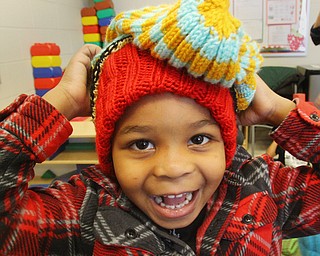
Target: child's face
169	158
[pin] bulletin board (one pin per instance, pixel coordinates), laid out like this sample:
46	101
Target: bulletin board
280	26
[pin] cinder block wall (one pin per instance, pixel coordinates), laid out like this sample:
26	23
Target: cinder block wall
24	22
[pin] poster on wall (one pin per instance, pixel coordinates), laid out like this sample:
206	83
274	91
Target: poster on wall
280	26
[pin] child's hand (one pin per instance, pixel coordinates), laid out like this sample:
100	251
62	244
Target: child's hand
267	107
71	96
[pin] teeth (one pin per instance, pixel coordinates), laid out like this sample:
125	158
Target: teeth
159	200
170	207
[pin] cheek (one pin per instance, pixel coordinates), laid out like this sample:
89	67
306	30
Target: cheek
129	176
214	166
214	175
131	182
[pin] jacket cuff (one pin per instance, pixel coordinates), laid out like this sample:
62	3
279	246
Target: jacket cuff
40	127
299	132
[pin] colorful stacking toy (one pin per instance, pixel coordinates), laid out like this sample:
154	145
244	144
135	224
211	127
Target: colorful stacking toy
90	27
46	62
95	21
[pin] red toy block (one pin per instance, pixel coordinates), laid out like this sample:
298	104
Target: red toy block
46	83
44	49
88	11
90	29
103	5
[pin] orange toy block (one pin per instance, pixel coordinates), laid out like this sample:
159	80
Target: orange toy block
103	5
88	11
103	30
103	37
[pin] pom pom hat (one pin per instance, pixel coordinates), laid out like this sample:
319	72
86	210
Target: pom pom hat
194	49
200	35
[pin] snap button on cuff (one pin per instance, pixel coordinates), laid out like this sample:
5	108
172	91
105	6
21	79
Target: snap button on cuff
247	219
131	233
314	117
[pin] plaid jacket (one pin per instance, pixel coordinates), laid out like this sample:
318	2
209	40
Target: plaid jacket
258	202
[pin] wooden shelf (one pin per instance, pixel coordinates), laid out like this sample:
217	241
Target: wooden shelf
74	157
38	181
83	129
83	132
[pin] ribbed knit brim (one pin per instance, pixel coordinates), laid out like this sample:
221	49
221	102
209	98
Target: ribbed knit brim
130	73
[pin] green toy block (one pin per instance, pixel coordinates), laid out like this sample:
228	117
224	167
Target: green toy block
48	175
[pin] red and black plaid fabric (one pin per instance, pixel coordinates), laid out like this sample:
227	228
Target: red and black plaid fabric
257	204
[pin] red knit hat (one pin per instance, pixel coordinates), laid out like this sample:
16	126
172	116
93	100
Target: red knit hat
126	75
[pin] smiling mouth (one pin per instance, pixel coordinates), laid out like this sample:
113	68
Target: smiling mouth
173	201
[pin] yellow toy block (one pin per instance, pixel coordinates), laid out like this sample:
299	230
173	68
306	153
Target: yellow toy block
89	20
94	37
45	61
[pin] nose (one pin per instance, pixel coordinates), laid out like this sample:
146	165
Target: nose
173	163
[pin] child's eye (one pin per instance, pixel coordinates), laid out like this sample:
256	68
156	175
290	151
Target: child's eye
142	145
199	140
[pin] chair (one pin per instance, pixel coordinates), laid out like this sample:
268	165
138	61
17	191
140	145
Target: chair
285	81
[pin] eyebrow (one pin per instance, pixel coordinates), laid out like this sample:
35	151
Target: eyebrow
202	123
144	128
134	129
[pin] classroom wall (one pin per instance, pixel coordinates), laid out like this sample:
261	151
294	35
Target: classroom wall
24	22
313	52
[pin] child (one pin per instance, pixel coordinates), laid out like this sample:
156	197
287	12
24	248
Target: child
170	179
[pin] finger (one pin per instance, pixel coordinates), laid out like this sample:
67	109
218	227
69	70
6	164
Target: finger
91	50
88	52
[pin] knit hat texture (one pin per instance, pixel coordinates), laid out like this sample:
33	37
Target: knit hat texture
131	73
200	35
194	48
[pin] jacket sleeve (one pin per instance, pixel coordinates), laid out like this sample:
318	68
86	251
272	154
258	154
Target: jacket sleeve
31	221
297	190
299	133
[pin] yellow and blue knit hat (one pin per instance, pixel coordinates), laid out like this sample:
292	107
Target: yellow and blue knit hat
199	35
194	49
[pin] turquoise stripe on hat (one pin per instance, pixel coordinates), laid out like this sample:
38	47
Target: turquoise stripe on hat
198	37
163	50
155	33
